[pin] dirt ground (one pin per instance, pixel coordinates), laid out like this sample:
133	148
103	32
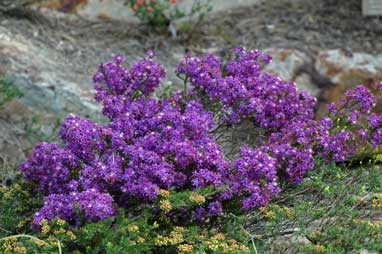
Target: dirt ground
307	25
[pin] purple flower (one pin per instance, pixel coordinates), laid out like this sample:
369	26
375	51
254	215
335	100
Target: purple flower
215	208
353	117
375	121
55	206
376	138
200	214
119	59
332	109
94	205
379	86
245	91
363	134
363	97
255	178
49	168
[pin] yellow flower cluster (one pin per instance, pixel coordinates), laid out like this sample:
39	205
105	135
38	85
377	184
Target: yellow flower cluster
10	246
164	193
185	248
378	157
9	193
197	199
60	222
271	212
56	228
218	243
268	213
288	212
225	246
165	206
377	224
317	248
45	228
133	228
141	240
160	240
377	200
175	237
71	235
316	235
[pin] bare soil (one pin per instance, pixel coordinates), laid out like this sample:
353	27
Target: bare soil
307	25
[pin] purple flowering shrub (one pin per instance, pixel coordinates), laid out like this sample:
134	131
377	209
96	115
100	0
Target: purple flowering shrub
244	90
356	124
293	136
151	145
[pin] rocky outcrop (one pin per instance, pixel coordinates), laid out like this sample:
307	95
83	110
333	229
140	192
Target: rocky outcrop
116	10
49	84
329	74
286	63
347	70
51	90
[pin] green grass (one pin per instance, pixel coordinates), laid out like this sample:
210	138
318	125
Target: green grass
8	91
336	210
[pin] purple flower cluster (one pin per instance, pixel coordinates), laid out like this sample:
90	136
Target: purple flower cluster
50	167
152	144
117	85
83	138
92	204
357	128
244	90
373	130
256	178
379	86
149	145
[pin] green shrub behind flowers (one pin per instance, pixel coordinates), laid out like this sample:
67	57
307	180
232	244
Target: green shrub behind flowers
158	14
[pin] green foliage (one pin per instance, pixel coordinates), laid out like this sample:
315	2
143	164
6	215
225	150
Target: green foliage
34	128
8	91
158	14
145	231
145	234
18	205
335	210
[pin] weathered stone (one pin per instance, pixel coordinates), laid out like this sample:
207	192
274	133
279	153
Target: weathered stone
51	89
116	10
48	83
304	83
348	70
286	63
10	144
363	251
289	243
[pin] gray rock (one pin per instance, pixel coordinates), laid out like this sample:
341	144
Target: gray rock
51	90
286	63
49	84
347	70
116	10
